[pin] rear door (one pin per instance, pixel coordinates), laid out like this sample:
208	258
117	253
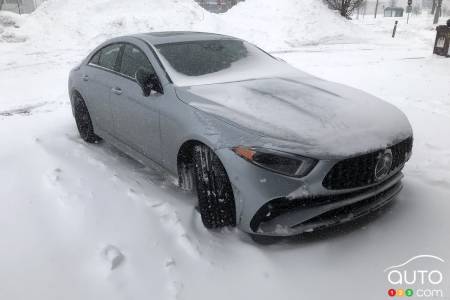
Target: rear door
99	76
136	117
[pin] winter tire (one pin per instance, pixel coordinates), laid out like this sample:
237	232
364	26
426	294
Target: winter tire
215	194
83	120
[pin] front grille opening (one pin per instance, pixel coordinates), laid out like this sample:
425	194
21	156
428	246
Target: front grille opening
351	211
360	171
280	206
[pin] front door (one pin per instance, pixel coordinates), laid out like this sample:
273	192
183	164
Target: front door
136	117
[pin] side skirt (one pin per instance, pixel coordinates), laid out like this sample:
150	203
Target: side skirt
136	155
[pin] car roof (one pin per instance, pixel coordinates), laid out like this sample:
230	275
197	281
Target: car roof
164	37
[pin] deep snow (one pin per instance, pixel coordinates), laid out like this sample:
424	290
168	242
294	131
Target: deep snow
65	203
270	24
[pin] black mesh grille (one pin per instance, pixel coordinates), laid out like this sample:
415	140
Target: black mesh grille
360	171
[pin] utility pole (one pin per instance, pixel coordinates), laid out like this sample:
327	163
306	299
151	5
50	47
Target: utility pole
409	10
376	9
365	8
437	13
18	7
433	8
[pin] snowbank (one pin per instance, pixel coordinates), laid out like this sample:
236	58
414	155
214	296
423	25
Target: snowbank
67	22
288	23
9	22
270	24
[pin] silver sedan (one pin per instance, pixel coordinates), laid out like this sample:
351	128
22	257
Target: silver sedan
266	147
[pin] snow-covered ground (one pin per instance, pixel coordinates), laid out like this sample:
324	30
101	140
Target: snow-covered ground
82	221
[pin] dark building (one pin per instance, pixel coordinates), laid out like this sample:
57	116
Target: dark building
217	6
395	12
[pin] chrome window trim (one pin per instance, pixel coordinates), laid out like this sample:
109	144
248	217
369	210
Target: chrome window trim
90	64
111	71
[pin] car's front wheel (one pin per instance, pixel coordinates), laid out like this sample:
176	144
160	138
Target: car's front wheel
215	194
83	120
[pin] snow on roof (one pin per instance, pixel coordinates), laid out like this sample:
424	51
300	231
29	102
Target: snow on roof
179	36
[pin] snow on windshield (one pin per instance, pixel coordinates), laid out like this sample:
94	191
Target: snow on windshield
213	61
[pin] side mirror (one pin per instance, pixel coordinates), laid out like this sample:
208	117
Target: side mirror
148	82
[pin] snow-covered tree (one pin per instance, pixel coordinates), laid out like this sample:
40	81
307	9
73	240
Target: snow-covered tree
345	7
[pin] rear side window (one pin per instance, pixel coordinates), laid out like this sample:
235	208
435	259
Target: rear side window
108	56
133	59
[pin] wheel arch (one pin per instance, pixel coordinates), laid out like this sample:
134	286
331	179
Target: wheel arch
185	158
184	152
72	93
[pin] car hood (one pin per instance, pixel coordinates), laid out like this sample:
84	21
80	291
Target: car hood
320	117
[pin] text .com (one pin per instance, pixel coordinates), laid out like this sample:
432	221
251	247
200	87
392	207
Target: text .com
421	293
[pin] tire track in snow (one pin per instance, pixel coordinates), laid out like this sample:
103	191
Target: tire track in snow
171	222
31	109
174	285
25	110
138	190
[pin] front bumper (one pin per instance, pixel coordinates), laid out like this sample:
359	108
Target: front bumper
275	205
339	210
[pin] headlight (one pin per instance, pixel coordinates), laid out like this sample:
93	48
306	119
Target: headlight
277	161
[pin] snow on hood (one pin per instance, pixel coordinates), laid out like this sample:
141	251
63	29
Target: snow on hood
323	118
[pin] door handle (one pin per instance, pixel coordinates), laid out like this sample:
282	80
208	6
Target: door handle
117	91
85	77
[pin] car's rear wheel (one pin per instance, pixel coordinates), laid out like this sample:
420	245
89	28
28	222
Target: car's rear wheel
215	194
83	120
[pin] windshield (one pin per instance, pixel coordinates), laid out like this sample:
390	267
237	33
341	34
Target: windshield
213	61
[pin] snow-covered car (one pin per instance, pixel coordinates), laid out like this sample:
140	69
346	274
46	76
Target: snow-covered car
266	147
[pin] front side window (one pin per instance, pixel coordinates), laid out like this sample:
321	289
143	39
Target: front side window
132	60
108	56
96	58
